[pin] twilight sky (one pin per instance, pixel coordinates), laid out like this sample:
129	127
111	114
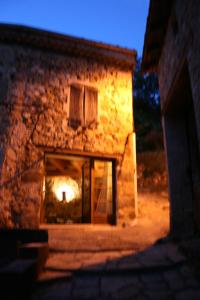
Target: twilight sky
117	22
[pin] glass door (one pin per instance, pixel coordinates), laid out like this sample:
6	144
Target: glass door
101	191
86	192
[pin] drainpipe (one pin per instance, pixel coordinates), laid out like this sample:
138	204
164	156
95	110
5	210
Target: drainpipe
135	174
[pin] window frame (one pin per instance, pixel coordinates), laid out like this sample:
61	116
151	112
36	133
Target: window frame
83	117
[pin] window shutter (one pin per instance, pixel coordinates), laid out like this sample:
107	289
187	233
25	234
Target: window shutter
76	106
91	105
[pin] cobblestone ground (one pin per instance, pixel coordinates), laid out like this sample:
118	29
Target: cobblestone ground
107	262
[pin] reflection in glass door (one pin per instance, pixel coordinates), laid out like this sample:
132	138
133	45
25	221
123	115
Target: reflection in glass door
102	191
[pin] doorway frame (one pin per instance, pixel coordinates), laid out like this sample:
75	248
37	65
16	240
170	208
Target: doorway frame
91	157
182	209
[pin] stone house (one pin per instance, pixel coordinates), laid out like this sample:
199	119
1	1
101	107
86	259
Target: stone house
67	138
172	48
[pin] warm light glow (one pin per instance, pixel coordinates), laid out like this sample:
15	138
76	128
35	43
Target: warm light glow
67	186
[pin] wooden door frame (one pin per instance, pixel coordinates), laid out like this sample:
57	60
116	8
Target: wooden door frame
114	185
92	157
92	189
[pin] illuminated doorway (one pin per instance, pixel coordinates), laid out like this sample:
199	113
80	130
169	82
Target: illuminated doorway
78	189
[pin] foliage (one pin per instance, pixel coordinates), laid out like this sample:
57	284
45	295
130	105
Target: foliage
151	171
147	110
146	90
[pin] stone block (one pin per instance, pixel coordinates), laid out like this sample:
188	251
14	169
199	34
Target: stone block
37	251
32	176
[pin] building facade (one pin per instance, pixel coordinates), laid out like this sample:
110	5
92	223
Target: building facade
67	137
171	48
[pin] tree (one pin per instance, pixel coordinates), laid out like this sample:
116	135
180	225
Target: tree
147	110
146	90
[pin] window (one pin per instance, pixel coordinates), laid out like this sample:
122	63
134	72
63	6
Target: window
76	106
83	106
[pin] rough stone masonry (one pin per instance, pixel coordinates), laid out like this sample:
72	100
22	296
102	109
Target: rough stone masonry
171	48
36	71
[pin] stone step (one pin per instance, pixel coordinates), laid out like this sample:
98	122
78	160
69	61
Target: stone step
12	239
24	235
37	251
17	277
47	276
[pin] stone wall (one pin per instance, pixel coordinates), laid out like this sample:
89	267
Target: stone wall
181	50
34	97
181	43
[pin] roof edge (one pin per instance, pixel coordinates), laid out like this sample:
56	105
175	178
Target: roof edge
39	38
156	26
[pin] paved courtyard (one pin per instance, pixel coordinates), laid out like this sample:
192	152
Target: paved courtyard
112	262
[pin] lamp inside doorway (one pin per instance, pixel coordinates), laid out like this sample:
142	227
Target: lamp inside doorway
64	196
65	189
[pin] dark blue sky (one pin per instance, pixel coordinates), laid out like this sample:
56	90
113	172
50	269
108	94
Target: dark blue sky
118	22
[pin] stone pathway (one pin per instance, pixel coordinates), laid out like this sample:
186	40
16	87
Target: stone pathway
110	262
112	270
